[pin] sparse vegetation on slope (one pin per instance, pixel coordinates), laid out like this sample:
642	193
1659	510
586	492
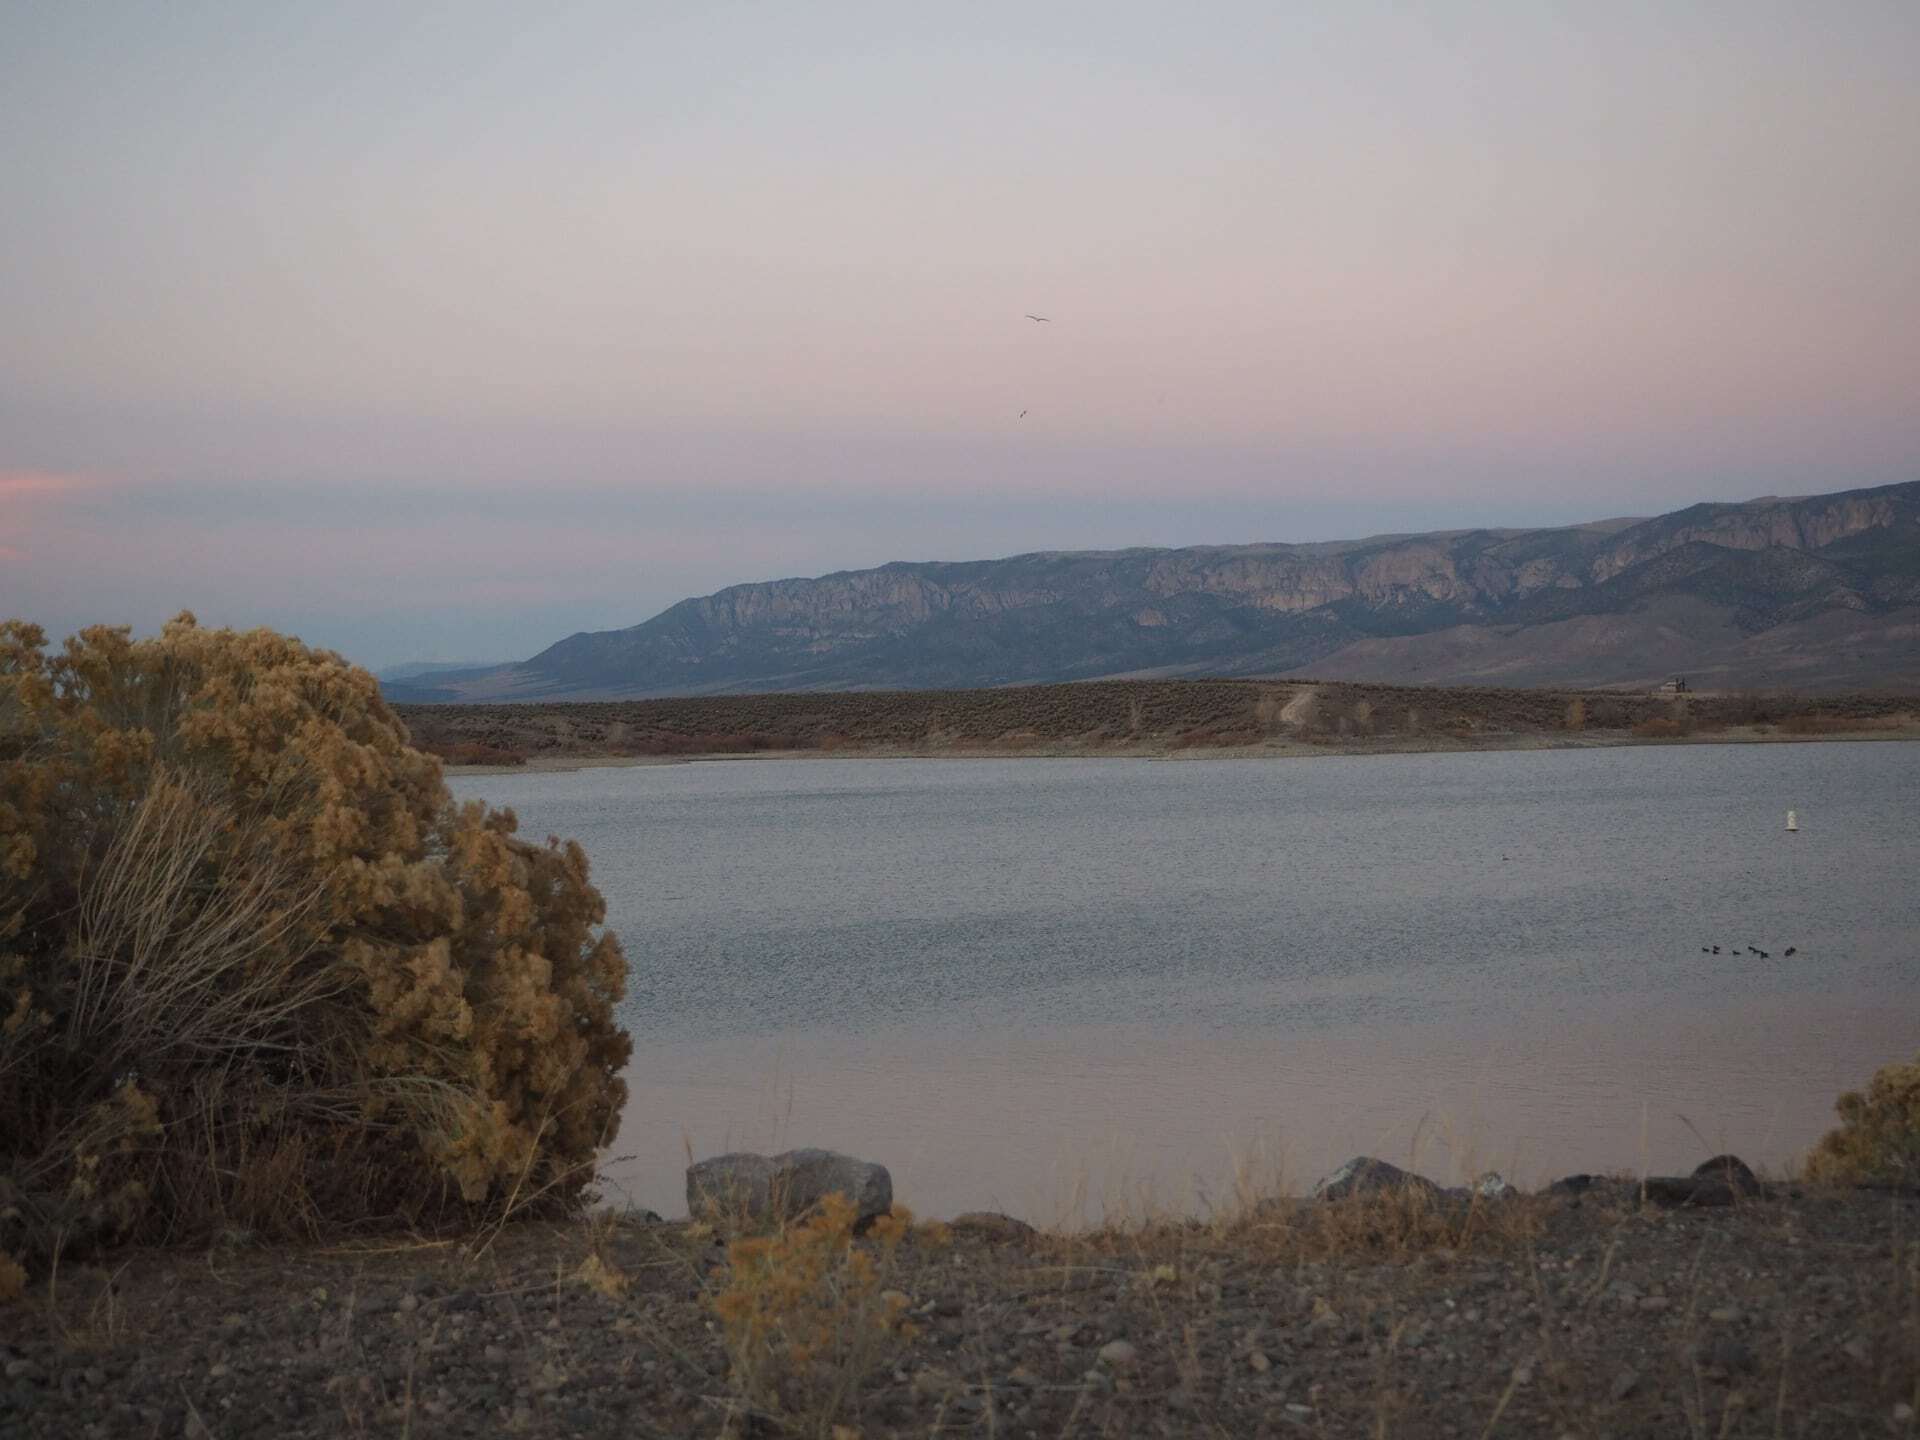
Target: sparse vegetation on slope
259	971
1115	716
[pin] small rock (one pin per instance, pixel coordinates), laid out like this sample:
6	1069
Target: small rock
409	1302
219	1370
1575	1185
1654	1304
1724	1354
1259	1361
1117	1352
1858	1350
1676	1191
1025	1376
1624	1384
1364	1175
1725	1315
1903	1413
991	1225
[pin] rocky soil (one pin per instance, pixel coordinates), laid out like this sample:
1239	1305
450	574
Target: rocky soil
1600	1313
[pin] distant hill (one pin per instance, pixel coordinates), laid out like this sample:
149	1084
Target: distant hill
1814	592
414	670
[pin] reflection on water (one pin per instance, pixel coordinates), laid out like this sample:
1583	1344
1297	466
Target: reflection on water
1053	986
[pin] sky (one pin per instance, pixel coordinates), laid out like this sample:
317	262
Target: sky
442	331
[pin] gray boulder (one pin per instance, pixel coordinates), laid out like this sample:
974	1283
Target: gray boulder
1731	1171
1363	1175
786	1186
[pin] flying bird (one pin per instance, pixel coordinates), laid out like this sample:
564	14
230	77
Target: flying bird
1023	414
1043	319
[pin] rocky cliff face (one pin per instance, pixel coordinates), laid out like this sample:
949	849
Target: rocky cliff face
1256	609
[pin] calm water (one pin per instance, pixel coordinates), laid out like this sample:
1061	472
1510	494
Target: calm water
1062	987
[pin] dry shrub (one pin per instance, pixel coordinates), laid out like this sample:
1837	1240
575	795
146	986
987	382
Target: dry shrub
1662	727
806	1314
1878	1137
1816	723
13	1279
260	971
476	752
1576	714
1218	736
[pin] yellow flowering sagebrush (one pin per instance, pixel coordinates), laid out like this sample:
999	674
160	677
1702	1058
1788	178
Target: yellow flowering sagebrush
1878	1137
807	1315
258	969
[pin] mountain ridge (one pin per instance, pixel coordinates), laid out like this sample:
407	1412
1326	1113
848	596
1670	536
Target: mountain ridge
1815	590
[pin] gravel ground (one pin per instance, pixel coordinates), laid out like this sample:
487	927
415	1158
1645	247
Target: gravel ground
1793	1314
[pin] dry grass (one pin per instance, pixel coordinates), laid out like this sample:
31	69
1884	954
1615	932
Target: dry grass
1393	1226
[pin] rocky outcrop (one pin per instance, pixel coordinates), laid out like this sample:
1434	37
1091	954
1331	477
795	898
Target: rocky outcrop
1266	609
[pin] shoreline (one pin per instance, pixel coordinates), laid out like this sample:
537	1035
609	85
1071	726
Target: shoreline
1275	749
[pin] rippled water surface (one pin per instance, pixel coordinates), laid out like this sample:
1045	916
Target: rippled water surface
1059	987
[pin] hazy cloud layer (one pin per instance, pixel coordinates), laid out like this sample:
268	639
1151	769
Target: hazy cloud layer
448	329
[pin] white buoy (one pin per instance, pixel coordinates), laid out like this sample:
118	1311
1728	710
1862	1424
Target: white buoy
1793	821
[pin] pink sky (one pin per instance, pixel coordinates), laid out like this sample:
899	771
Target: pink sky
448	330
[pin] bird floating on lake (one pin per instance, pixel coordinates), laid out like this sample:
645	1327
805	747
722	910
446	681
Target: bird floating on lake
1043	319
1792	948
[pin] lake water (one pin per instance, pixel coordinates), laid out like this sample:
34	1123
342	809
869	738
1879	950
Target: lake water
1069	988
